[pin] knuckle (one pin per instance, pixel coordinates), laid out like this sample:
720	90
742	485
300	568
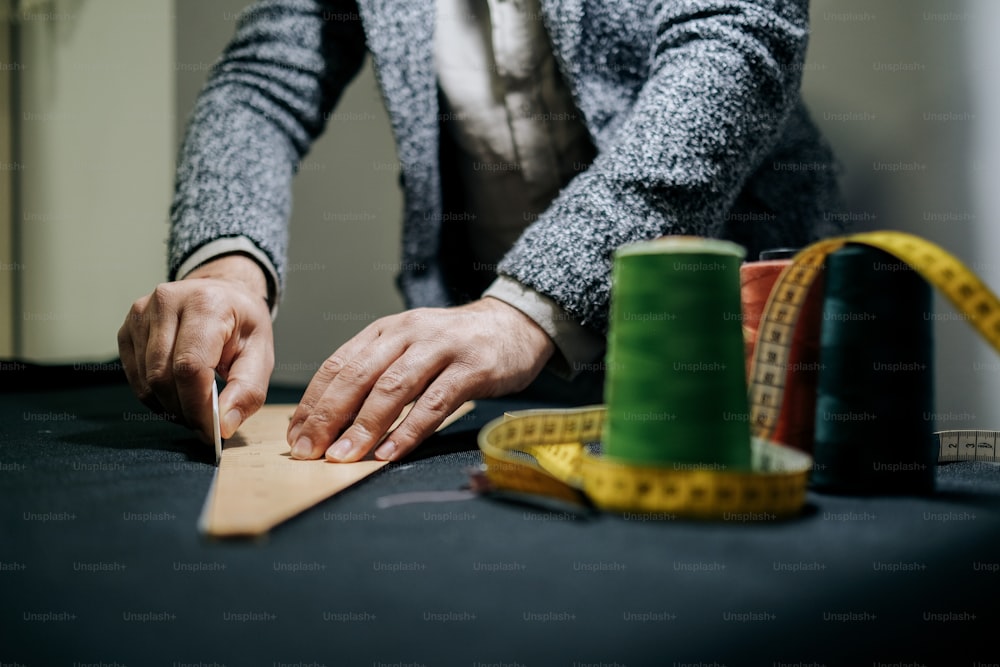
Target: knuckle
319	418
157	375
140	304
319	429
354	372
137	312
332	365
304	409
366	427
437	400
392	383
144	393
187	365
321	422
161	296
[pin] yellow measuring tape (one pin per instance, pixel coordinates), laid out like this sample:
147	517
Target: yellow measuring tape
563	469
545	453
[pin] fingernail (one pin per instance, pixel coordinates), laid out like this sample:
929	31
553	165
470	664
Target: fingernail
386	450
294	433
340	450
231	422
303	448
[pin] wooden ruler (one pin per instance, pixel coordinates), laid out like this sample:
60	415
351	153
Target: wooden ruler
258	485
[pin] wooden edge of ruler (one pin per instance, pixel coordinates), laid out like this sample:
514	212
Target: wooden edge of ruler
257	485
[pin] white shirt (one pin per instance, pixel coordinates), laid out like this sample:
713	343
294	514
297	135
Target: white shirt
520	139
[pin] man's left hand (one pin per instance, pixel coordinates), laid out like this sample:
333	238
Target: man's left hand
438	357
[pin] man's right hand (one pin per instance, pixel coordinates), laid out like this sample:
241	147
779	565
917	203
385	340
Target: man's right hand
174	340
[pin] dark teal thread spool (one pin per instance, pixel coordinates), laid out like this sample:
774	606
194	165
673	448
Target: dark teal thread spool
877	380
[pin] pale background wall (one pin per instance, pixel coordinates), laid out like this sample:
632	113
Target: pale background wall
94	128
7	173
982	49
892	82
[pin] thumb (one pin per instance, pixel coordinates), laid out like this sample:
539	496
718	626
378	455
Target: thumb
246	387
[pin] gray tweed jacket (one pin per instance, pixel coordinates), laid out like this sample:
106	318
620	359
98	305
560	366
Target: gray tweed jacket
693	107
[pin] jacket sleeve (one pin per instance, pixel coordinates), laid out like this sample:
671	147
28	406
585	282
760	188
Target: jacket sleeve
266	100
723	78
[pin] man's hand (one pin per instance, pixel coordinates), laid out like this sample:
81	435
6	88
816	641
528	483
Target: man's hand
175	339
438	357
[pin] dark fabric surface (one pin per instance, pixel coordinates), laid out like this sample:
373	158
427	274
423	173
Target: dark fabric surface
101	563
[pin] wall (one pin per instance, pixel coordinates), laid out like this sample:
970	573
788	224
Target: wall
95	141
8	169
891	84
982	51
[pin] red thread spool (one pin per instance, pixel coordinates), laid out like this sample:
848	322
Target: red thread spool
798	414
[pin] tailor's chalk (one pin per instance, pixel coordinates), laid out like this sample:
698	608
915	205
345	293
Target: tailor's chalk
216	428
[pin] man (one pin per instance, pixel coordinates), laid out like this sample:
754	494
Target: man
553	132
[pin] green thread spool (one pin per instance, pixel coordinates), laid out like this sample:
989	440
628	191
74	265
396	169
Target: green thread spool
676	382
877	382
